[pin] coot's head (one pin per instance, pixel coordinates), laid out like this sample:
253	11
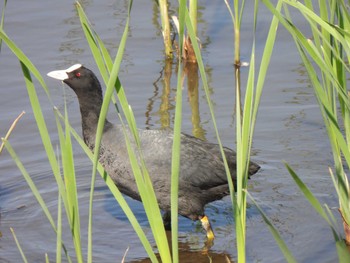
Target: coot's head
79	78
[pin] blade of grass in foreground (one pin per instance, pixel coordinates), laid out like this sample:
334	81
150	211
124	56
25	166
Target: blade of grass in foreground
116	193
111	81
342	249
238	198
70	185
141	175
175	157
101	58
7	136
34	190
30	182
163	10
19	246
245	123
328	50
283	247
307	193
90	36
2	21
59	230
27	68
24	61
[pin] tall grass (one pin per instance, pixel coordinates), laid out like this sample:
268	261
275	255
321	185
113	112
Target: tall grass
328	50
3	141
166	28
246	114
65	182
2	20
12	127
63	163
326	59
245	123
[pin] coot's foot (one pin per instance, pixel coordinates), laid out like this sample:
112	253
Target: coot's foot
207	227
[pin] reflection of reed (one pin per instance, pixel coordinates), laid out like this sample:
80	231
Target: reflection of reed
186	255
165	104
191	72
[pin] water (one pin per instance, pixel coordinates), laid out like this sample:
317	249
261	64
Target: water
289	128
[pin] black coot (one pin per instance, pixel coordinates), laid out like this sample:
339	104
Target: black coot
202	174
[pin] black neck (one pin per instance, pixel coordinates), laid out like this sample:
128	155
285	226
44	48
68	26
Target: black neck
90	101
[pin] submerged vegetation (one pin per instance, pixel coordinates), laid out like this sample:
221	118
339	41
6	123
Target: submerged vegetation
326	58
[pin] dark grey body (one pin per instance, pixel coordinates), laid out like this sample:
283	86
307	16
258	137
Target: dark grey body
202	174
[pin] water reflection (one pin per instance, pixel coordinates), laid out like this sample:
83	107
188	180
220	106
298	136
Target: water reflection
190	73
165	107
186	255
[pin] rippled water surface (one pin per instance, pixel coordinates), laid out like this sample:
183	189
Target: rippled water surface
289	128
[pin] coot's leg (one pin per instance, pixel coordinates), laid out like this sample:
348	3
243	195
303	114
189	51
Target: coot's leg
167	220
207	227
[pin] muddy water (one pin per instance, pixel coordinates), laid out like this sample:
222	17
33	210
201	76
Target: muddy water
289	128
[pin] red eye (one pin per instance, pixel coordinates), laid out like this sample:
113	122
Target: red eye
77	74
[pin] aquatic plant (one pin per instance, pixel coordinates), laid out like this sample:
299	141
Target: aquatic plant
329	49
246	114
66	179
166	28
325	56
62	160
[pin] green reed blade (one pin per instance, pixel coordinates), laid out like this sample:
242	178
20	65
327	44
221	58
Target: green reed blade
2	20
30	183
282	245
93	43
163	11
59	230
154	216
343	254
307	193
117	195
175	157
24	60
19	246
70	185
326	26
34	190
27	68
